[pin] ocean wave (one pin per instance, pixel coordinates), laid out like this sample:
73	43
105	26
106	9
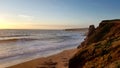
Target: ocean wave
30	43
33	38
17	39
2	36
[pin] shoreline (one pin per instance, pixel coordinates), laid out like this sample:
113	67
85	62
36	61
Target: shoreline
57	60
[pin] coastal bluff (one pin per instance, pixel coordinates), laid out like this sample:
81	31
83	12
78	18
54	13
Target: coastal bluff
101	47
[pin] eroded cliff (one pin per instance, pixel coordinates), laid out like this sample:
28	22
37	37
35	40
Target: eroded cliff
101	48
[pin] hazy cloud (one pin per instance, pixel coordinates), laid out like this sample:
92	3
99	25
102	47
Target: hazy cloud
25	17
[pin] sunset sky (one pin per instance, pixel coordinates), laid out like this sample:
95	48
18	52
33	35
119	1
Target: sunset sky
56	14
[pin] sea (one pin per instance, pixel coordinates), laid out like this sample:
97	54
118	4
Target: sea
21	45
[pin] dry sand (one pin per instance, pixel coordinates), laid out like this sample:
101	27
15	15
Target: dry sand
59	60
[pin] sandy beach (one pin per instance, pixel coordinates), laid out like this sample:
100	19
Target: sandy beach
59	60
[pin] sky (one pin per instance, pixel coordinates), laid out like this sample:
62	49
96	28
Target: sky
56	14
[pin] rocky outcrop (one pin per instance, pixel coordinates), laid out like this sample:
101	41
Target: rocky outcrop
91	30
106	29
101	48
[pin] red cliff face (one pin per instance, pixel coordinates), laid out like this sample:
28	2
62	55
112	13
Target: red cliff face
101	48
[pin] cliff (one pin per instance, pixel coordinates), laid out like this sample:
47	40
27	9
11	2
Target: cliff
101	48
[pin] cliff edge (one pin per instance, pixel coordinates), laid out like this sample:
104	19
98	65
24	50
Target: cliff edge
101	48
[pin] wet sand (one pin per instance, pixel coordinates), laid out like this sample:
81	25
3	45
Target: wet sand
59	60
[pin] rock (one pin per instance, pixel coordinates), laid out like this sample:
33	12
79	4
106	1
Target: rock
101	48
91	30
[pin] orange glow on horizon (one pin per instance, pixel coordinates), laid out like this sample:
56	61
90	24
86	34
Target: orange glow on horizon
25	22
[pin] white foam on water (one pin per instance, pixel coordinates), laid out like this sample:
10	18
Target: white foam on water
32	44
